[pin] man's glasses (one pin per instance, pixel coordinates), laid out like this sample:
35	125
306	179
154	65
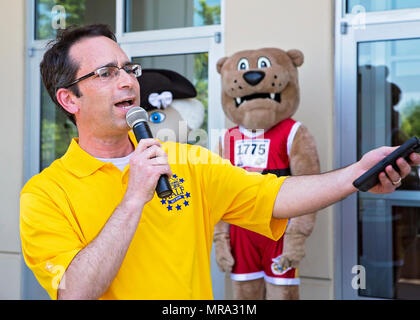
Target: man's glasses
110	72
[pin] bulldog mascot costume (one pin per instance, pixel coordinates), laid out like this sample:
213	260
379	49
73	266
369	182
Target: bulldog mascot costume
260	94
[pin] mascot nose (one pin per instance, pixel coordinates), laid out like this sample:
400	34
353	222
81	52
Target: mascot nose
254	77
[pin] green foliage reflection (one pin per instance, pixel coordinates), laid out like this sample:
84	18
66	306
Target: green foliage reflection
410	119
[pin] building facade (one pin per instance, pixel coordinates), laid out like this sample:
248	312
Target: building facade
359	84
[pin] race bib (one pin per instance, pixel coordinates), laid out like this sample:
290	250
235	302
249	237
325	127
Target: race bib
252	153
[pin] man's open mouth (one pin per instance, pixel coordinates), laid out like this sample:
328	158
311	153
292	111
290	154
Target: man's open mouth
272	96
125	104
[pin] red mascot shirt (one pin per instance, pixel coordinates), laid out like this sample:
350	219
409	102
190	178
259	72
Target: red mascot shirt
256	256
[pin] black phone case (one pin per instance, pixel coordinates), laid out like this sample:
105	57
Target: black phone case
370	178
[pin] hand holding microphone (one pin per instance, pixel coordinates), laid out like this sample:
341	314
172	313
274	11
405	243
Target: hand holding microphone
149	155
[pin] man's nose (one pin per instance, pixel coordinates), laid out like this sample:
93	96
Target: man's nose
125	80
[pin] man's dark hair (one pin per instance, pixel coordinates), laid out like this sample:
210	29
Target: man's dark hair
58	69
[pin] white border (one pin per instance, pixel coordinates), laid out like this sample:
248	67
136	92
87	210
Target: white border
291	136
261	274
282	281
247	276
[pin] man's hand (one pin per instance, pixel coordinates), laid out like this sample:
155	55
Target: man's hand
147	164
390	179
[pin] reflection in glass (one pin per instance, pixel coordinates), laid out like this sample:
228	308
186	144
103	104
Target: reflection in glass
388	113
354	6
56	131
194	67
52	15
389	97
389	249
143	15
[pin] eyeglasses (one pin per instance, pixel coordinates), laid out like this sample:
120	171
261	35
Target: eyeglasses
110	72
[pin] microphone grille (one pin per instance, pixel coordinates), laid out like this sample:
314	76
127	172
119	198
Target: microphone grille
135	115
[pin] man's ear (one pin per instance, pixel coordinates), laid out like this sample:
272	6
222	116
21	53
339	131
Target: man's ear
67	100
296	56
220	63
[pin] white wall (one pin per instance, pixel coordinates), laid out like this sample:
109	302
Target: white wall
306	25
12	35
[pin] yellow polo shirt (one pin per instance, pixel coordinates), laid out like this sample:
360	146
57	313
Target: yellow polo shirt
64	207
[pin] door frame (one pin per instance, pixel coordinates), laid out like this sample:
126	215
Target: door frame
377	26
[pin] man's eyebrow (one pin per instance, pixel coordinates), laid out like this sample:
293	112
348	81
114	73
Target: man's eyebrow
109	64
114	64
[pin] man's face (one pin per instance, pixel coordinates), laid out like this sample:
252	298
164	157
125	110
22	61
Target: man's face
99	110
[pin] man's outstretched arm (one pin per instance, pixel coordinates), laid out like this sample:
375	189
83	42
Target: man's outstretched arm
305	194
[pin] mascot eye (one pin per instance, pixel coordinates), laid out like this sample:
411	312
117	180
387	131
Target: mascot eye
157	117
264	62
243	64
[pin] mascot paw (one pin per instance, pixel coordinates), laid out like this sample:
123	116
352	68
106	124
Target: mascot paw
293	250
225	263
284	263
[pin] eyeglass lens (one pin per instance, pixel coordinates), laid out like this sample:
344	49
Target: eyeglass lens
107	73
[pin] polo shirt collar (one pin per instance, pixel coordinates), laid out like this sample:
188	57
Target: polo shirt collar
81	163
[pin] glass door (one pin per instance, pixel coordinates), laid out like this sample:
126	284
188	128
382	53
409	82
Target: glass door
378	103
195	59
388	113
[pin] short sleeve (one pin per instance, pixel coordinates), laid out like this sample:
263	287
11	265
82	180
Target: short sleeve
49	243
243	198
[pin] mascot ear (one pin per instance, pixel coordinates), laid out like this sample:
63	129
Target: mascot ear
220	63
296	56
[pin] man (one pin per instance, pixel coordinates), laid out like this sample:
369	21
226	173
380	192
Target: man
92	226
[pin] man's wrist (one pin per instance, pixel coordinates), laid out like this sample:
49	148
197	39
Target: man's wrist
352	172
132	205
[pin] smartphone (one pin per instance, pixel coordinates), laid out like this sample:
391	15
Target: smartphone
371	177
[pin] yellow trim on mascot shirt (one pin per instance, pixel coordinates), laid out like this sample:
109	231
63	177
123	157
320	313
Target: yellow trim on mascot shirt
63	209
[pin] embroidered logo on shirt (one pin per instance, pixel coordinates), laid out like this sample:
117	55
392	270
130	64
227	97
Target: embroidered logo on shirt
180	198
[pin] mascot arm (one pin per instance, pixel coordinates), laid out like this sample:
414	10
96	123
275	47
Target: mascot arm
224	258
303	160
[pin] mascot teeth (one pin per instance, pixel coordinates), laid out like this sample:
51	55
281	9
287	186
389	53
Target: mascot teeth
272	96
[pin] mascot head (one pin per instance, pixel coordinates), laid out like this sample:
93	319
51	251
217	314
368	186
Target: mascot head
260	87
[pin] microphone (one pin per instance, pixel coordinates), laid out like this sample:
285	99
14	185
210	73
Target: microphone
136	118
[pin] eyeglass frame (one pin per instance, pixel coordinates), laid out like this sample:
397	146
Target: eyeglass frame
86	76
